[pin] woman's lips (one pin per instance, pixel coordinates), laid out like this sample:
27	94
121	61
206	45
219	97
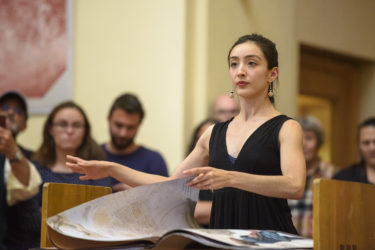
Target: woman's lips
242	83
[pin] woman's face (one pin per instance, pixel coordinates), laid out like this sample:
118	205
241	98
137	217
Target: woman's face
310	145
68	129
248	71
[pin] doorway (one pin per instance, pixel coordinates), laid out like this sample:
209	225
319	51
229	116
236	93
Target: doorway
329	90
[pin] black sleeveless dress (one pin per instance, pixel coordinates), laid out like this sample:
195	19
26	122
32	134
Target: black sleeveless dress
237	209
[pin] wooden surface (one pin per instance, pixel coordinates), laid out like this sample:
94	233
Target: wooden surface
58	197
344	215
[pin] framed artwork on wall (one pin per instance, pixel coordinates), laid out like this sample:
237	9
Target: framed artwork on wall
36	52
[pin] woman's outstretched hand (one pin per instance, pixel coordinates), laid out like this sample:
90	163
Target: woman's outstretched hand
91	170
208	178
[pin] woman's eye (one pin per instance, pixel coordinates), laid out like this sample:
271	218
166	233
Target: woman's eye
233	64
252	63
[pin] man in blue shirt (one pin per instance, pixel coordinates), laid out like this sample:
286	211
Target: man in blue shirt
125	117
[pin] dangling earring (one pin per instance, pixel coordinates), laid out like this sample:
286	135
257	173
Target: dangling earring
270	89
231	94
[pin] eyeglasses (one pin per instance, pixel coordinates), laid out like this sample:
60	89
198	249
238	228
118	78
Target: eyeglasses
17	110
65	126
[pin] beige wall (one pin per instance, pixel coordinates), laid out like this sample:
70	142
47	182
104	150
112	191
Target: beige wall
135	46
345	27
367	92
172	53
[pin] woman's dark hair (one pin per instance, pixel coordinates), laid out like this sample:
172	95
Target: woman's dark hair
89	149
268	48
194	138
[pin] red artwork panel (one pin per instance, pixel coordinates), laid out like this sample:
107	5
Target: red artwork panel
33	45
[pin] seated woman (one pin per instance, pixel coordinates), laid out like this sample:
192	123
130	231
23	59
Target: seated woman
66	131
252	162
313	139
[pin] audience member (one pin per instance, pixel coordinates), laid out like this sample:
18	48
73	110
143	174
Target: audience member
364	170
14	105
203	208
224	108
253	163
124	118
67	131
19	179
313	139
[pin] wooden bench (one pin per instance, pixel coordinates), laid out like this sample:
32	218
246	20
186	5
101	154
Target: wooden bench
58	197
344	215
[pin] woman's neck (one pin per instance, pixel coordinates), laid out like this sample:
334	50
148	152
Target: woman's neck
256	108
59	165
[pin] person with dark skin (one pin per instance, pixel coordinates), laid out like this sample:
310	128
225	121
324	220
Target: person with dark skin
19	179
253	162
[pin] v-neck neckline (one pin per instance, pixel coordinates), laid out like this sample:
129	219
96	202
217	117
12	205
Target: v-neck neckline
247	140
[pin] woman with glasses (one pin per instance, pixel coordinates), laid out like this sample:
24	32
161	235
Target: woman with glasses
66	131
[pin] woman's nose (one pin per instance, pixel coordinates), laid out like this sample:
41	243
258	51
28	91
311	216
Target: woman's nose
241	70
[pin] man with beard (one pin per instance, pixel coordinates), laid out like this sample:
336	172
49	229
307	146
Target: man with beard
19	180
125	117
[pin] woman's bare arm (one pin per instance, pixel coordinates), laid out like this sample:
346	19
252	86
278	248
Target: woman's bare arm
101	169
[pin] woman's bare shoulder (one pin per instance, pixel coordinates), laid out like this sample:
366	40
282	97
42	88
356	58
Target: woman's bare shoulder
204	140
290	128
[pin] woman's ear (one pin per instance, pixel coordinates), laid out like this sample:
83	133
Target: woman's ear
273	74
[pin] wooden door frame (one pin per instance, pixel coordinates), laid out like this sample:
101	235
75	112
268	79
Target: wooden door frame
336	78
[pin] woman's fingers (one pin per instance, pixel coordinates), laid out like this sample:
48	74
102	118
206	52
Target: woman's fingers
197	179
202	181
196	171
71	158
75	160
75	168
204	185
84	178
207	178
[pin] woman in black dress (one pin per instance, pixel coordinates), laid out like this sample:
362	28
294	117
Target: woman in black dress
253	162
